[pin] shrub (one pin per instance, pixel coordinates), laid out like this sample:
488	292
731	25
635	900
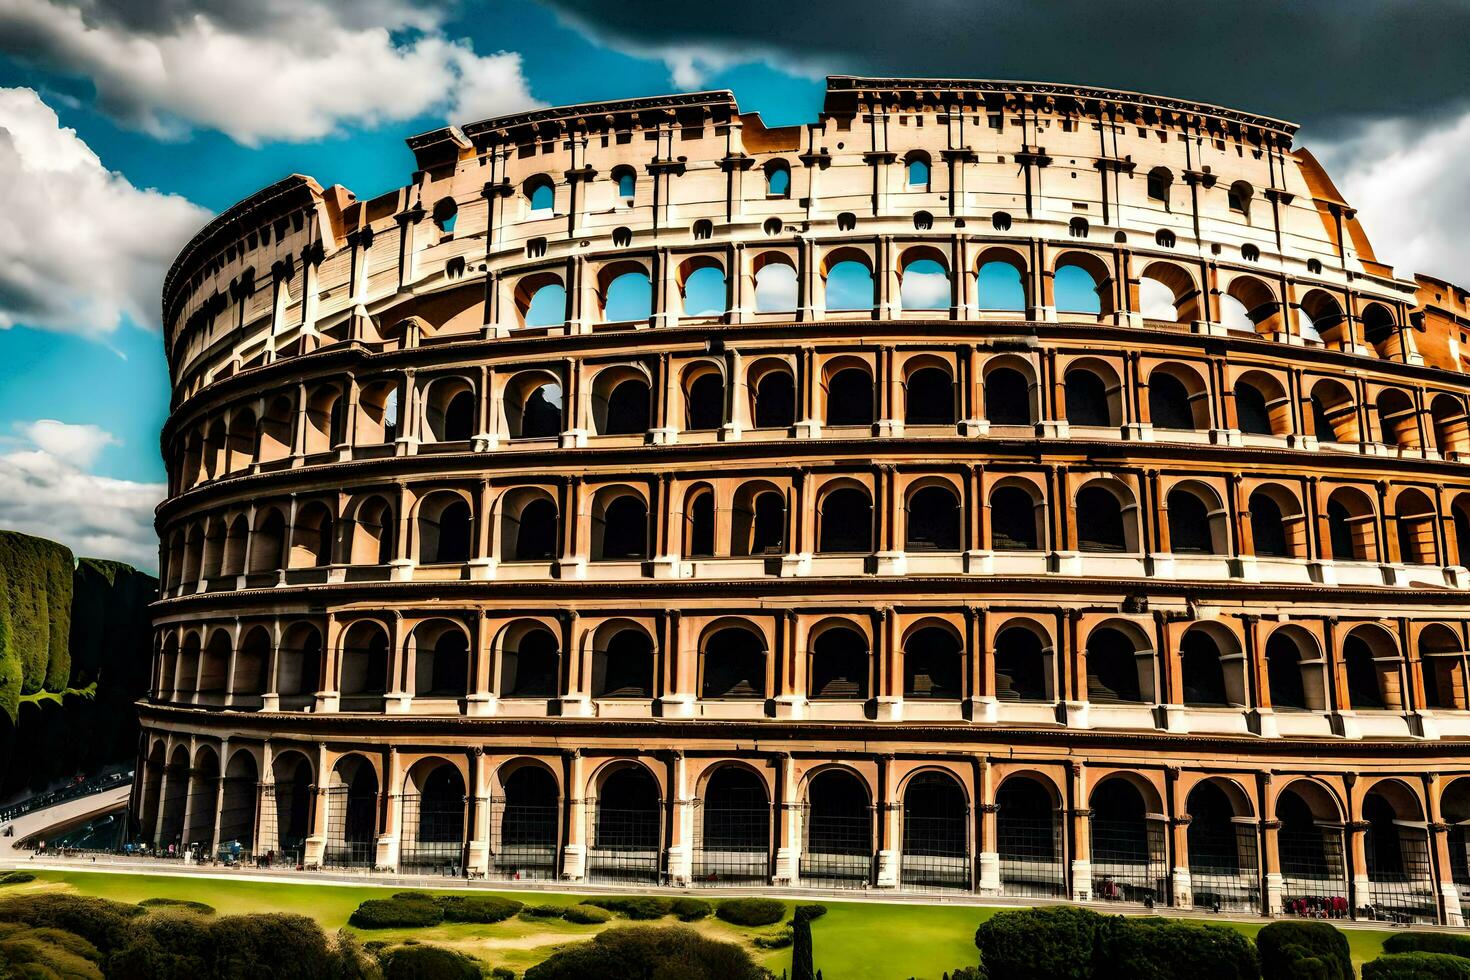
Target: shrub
542	911
1056	942
691	909
586	915
967	973
1417	966
801	949
1428	942
751	911
424	962
1297	950
1158	949
812	911
396	912
99	921
46	952
353	961
502	973
294	945
780	940
16	878
648	951
635	906
478	908
177	903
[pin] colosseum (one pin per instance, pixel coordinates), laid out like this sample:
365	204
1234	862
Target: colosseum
1022	490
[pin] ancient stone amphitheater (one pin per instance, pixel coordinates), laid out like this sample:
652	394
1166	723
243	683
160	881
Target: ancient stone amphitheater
1018	489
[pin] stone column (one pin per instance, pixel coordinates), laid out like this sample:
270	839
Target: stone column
888	811
988	846
477	858
574	852
387	842
788	824
681	824
1081	836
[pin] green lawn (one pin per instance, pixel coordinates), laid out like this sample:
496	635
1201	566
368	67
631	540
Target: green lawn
853	941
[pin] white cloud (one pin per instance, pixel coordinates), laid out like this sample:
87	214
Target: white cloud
924	290
46	490
80	247
264	70
1407	180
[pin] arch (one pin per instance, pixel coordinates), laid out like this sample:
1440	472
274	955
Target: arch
773	395
1396	846
451	410
240	449
627	825
929	395
186	679
440	649
1028	837
1249	305
533	405
778	178
625	179
916	170
168	665
252	661
1334	412
624	292
1119	665
1380	330
325	418
352	814
1198	523
1320	318
1278	525
378	416
1024	668
841	664
924	280
1169	292
932	519
699	522
935	832
1177	398
621	401
365	659
776	288
1001	281
214	664
1352	525
237	539
1310	845
276	430
1371	658
1224	867
299	662
529	525
1010	392
758	520
444	524
1442	663
267	541
540	194
1017	516
847	390
312	536
619	525
1107	519
237	804
622	662
1160	180
526	820
530	661
541	300
432	825
370	532
839	830
286	825
1083	283
735	828
933	663
174	798
844	519
1093	394
1129	853
1295	670
1416	518
704	398
1454	806
847	281
1398	420
733	662
1261	405
1211	667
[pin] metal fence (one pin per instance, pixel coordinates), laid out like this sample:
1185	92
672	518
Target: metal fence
524	840
1129	861
839	849
432	834
624	844
1399	875
1313	873
1224	868
352	822
1032	856
732	844
935	852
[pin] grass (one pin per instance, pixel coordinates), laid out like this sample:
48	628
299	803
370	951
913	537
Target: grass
853	941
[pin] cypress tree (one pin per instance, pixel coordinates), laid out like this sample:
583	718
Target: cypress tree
801	947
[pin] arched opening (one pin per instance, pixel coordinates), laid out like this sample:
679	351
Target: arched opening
778	178
1314	874
1249	306
704	400
312	536
704	290
203	784
734	665
1224	870
1177	400
352	814
845	521
1023	670
622	665
1294	671
774	399
1334	413
933	665
1008	398
377	415
1159	182
526	824
1352	526
924	285
1196	524
325	409
627	827
1442	662
299	665
849	397
840	665
237	807
432	825
365	649
1091	400
530	662
1211	670
232	560
1451	433
540	196
1015	519
1130	860
1396	846
1416	520
1028	839
933	519
1082	284
541	301
441	660
1101	523
533	407
240	444
1398	420
528	526
451	410
734	830
445	529
758	521
214	666
775	284
286	824
1278	527
935	833
699	524
1168	292
371	532
848	281
251	663
1113	668
186	679
1253	414
267	542
1371	659
1454	807
839	831
619	526
276	428
929	397
1380	331
1000	283
916	171
620	404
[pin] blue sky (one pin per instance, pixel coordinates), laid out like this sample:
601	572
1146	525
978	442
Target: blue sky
124	126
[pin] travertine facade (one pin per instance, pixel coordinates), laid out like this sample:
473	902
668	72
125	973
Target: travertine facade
1025	489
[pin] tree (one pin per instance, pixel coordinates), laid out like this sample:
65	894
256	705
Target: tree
801	946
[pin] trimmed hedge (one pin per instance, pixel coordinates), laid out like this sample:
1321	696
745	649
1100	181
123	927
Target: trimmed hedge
1428	942
780	940
1057	942
396	913
635	906
1417	966
691	909
477	908
419	962
16	878
751	911
813	911
177	903
1304	950
100	921
44	952
586	915
1161	949
649	951
542	911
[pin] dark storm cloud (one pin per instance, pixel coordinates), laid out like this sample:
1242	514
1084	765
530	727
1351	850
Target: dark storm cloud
1317	60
